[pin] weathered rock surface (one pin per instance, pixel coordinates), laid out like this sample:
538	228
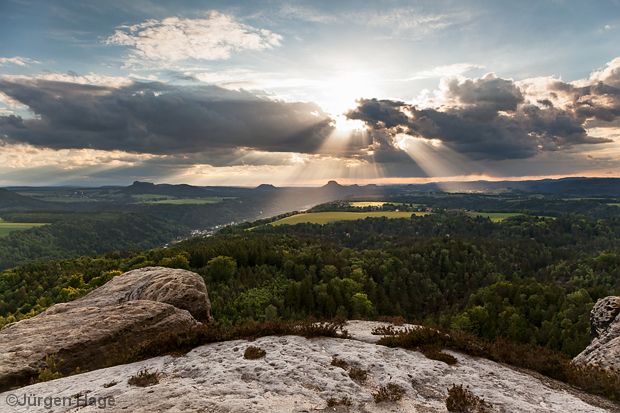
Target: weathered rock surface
296	375
183	289
131	308
604	348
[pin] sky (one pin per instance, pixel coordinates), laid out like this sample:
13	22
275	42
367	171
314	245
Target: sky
296	93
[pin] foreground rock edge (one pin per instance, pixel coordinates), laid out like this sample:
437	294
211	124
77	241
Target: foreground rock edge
296	375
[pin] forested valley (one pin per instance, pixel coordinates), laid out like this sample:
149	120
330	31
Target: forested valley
532	280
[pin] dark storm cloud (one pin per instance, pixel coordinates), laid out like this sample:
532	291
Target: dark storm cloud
599	101
159	119
490	119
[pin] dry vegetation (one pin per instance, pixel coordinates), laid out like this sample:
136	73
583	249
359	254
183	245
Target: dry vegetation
593	379
143	379
463	401
254	353
181	343
389	393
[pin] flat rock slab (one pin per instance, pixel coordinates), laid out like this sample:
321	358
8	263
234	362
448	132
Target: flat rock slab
296	375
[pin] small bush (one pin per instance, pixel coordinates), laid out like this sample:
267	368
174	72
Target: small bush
463	401
143	379
390	392
358	375
384	331
340	363
51	371
345	401
397	321
434	353
110	384
253	353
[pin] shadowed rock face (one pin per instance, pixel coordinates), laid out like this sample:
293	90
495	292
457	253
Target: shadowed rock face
132	308
604	348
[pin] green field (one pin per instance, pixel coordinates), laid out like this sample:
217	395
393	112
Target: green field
6	227
187	201
325	217
495	216
362	204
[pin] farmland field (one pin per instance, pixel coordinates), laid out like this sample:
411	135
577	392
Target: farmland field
6	227
495	216
362	204
325	217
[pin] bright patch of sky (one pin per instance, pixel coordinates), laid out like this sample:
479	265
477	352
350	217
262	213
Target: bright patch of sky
245	92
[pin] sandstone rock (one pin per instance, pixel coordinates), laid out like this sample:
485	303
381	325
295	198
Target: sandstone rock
604	348
183	289
128	310
296	375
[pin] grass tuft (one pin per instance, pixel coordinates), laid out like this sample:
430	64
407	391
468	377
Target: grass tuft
254	353
463	401
345	401
389	393
143	379
340	363
358	375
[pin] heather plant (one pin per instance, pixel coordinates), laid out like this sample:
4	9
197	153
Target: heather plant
462	400
143	379
389	393
254	353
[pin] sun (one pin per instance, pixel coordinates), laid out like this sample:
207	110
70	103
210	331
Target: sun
340	92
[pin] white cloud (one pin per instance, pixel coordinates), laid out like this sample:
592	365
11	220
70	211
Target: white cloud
89	79
17	60
306	14
445	71
408	18
226	76
610	74
175	39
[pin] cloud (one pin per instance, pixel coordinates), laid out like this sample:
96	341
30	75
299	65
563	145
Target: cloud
408	19
160	119
489	118
176	39
17	60
444	71
306	14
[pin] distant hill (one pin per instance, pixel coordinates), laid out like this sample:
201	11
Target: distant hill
183	190
585	187
11	200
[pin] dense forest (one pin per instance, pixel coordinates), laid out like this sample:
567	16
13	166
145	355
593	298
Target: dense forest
533	280
73	234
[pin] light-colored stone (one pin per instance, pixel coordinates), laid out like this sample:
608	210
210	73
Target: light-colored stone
296	375
604	348
132	308
183	289
84	337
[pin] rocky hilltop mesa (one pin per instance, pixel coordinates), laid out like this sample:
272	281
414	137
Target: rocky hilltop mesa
287	373
128	310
